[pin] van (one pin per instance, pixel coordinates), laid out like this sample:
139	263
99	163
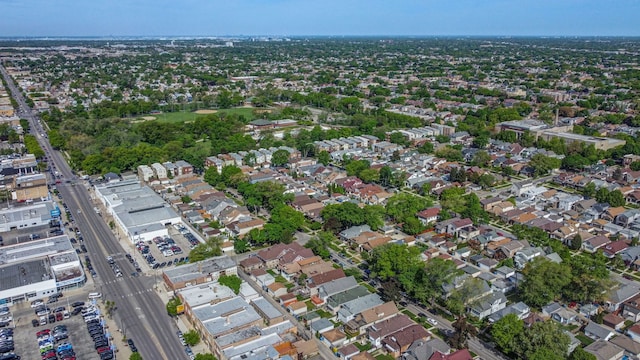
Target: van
95	295
43	320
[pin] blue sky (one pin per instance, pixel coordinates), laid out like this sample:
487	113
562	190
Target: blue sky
319	17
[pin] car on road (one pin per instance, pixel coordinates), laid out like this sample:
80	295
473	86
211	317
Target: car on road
432	321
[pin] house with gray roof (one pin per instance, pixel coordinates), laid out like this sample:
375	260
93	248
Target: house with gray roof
598	332
350	309
488	305
336	286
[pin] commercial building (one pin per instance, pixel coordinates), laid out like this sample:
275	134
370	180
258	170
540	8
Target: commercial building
38	268
137	210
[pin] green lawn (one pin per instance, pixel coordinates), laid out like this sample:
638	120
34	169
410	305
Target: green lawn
586	341
384	357
179	116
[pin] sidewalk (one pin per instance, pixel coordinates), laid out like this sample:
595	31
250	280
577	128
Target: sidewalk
181	321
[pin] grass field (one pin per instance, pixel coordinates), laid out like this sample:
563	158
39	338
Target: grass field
191	116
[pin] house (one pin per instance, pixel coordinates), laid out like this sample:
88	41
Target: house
462	354
429	215
321	325
276	289
334	338
613	321
520	309
558	313
595	243
631	309
348	352
604	350
380	330
352	232
622	293
398	342
424	349
631	348
634	332
488	305
297	308
598	332
610	250
251	263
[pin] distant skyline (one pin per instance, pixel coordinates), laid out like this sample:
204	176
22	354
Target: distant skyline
319	17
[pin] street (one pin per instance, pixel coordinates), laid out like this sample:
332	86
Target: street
141	313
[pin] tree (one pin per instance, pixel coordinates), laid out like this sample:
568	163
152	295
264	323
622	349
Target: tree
191	337
280	157
616	198
543	340
506	332
391	290
543	164
369	175
481	158
319	244
240	245
576	242
324	157
463	331
395	261
172	306
403	205
135	356
206	250
205	357
589	190
412	225
602	195
473	209
544	281
231	281
429	279
580	354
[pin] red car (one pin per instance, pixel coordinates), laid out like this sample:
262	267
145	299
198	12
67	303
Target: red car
43	332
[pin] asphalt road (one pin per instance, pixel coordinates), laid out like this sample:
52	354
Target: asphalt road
140	312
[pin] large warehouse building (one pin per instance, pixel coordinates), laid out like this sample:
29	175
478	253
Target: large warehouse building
138	211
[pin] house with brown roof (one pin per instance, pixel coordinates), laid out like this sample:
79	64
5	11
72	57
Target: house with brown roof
251	263
611	213
377	332
315	281
333	338
610	250
371	316
240	229
272	255
398	342
276	289
429	215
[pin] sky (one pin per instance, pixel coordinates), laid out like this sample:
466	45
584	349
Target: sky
319	17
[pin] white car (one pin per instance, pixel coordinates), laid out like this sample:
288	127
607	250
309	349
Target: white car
36	303
432	321
4	311
90	318
6	319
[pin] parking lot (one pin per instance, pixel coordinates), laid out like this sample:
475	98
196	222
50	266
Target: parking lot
28	344
165	251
